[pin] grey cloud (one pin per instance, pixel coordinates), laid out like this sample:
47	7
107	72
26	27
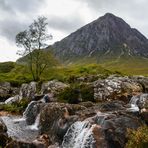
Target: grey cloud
22	6
65	24
9	29
11	10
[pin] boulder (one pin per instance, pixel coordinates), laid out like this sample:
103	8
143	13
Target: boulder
116	129
56	118
53	87
3	128
28	90
112	88
4	139
4	91
143	81
12	99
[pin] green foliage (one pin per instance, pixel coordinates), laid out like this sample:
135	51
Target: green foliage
87	92
17	107
138	138
70	95
6	67
76	93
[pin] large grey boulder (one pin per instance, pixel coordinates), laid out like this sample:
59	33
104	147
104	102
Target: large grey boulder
114	88
28	90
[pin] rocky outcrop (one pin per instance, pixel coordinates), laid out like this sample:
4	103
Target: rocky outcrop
74	125
6	91
113	88
58	117
53	87
143	81
28	90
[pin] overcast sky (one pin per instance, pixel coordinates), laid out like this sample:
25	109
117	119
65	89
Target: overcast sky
64	17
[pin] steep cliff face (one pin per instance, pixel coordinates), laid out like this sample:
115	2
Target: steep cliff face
107	36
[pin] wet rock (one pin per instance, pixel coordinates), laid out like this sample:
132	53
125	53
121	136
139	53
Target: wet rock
32	111
112	106
49	98
56	118
3	134
3	128
116	129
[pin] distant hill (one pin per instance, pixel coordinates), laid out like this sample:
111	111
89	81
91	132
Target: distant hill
107	38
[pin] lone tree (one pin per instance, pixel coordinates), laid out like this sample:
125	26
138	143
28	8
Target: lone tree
34	41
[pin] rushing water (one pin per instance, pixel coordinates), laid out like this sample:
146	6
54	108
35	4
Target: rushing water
137	99
79	135
36	123
18	129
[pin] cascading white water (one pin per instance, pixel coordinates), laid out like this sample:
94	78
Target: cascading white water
137	99
133	103
36	123
79	135
101	118
30	105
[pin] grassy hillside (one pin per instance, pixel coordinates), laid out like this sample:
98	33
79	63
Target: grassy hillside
128	66
18	73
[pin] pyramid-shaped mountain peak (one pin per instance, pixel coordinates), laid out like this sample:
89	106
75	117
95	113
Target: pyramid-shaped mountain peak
108	35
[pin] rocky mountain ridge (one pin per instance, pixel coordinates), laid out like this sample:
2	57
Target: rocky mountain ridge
108	36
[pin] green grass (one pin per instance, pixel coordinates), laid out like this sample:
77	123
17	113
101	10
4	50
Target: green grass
18	74
128	66
17	107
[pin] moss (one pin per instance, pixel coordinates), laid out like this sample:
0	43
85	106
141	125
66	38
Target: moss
138	138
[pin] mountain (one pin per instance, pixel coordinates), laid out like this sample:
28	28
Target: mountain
108	37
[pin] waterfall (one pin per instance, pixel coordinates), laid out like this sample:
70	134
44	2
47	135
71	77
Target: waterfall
29	107
133	103
79	135
36	123
101	118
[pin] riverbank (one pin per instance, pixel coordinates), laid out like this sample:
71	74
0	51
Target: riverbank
88	113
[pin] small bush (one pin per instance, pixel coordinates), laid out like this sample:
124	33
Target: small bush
138	138
76	93
70	95
87	93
